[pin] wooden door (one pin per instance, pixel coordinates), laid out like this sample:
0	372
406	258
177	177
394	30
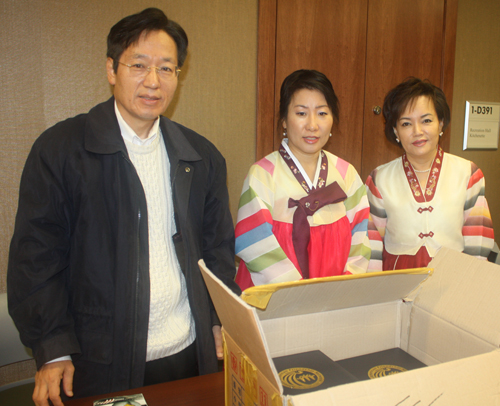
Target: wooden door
405	38
328	36
325	35
364	47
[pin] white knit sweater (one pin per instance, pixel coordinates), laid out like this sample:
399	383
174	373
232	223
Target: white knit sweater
171	324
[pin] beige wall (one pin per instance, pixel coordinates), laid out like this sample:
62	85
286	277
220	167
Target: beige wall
53	67
477	78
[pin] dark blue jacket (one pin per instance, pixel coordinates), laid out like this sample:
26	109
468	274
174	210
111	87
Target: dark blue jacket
78	276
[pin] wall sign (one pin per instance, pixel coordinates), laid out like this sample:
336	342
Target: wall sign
482	124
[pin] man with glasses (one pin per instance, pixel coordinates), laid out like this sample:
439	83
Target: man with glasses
116	206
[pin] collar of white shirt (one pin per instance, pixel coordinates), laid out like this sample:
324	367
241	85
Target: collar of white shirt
129	135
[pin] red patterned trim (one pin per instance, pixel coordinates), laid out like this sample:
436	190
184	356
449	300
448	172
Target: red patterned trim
323	172
430	189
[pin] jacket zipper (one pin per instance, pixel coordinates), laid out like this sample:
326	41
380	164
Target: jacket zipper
136	302
136	298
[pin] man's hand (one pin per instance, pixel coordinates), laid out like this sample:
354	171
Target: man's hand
48	381
218	342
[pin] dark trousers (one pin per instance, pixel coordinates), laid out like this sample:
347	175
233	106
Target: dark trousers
182	365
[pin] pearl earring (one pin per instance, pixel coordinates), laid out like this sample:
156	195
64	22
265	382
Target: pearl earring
284	133
396	134
441	134
330	134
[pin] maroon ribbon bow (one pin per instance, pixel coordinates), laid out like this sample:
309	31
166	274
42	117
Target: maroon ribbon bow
307	206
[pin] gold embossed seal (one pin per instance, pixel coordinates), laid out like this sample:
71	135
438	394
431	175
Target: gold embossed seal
301	378
384	370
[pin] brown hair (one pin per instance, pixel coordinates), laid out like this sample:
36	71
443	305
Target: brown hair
404	95
306	79
128	30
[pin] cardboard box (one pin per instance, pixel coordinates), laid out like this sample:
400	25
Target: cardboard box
448	319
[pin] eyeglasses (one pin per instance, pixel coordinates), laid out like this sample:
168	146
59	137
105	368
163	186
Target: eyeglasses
164	72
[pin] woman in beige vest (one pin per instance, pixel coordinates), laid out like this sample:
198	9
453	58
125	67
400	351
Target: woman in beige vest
427	198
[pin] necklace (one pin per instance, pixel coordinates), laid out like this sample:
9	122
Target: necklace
427	170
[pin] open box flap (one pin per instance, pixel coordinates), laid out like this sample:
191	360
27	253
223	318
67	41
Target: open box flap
463	292
241	322
333	293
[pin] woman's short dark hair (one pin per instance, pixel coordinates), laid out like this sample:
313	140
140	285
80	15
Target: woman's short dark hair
407	93
128	31
306	79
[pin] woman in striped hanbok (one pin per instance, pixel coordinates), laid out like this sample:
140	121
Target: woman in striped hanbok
303	212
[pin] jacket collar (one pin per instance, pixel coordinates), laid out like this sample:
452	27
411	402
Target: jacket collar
178	146
102	135
102	132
